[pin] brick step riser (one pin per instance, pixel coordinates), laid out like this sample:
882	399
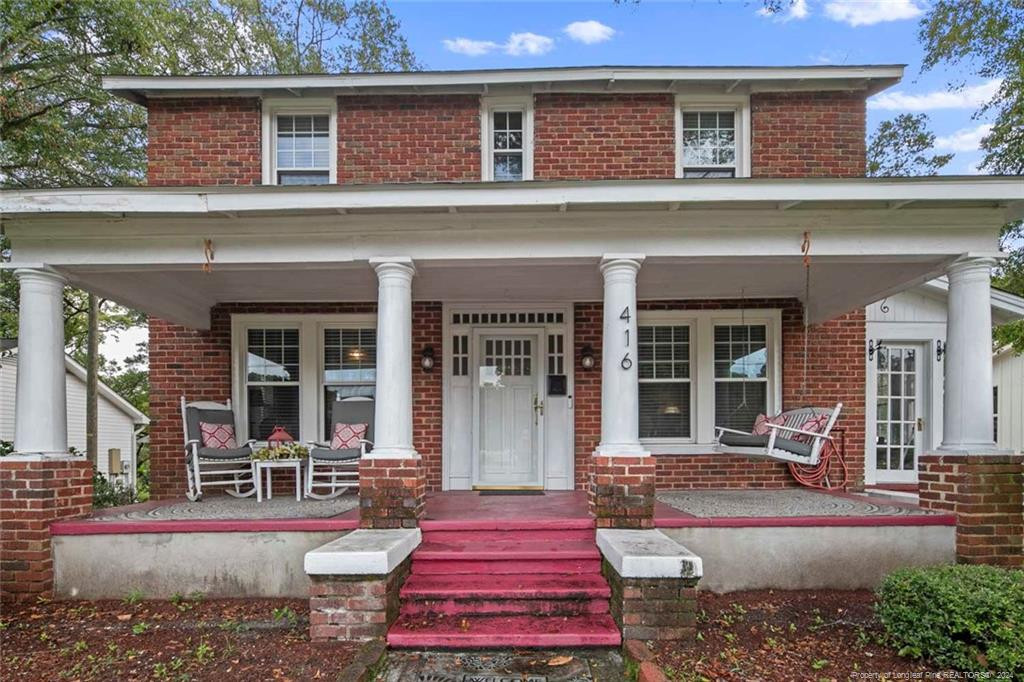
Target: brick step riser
503	607
457	536
504	566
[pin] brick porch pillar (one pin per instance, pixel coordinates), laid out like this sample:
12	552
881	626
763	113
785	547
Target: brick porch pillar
969	476
392	479
621	490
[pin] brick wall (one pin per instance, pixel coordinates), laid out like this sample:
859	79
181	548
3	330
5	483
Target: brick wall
808	134
836	371
197	364
430	138
600	137
212	141
652	608
33	494
355	608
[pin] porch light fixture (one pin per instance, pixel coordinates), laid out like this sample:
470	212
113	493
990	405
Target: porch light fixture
587	357
874	347
427	359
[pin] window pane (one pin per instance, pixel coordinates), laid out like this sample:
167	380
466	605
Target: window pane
508	167
303	177
664	352
350	356
709	141
273	355
271	406
334	394
741	351
665	410
737	403
303	142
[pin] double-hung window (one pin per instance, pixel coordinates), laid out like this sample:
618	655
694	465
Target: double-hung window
507	144
711	139
299	143
699	369
350	368
272	361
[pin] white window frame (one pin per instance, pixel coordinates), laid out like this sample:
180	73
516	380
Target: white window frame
311	363
702	369
274	107
489	105
692	380
739	104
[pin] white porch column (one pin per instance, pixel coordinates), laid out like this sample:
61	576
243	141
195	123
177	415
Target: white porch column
393	408
40	413
620	399
967	406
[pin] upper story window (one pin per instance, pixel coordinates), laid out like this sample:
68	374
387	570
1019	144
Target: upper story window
300	143
712	139
507	139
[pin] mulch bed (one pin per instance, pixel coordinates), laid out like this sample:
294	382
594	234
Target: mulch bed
188	638
769	635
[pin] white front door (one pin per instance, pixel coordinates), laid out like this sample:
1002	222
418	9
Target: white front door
508	410
899	412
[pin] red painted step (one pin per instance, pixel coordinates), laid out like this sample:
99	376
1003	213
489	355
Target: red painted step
502	567
507	549
427	525
530	535
481	632
509	586
474	607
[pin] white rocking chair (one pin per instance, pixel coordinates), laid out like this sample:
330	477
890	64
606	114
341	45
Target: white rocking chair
230	468
335	471
780	443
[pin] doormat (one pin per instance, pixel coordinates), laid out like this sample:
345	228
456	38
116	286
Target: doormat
511	492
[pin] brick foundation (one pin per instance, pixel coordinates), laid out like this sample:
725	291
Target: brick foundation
621	491
986	492
392	493
354	608
653	608
33	494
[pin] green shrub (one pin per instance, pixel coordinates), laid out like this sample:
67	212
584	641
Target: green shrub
107	493
966	618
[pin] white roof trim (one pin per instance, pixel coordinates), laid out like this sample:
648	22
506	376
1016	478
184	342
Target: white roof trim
1007	192
105	391
1010	305
872	78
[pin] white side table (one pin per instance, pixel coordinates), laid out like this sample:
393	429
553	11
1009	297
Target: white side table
269	465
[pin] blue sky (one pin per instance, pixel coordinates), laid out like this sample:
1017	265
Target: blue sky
473	35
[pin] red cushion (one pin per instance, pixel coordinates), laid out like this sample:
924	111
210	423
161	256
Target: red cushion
762	422
815	424
219	436
347	436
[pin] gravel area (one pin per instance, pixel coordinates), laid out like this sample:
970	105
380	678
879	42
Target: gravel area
794	502
217	507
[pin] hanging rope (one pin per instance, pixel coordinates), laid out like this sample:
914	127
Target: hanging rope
805	249
208	253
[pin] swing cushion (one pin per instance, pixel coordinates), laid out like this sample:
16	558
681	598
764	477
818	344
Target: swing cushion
745	440
762	422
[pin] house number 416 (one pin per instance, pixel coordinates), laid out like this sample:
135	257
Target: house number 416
626	362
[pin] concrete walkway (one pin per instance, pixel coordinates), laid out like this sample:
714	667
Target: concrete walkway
585	665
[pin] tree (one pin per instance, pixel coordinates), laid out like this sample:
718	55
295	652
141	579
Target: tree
902	146
988	37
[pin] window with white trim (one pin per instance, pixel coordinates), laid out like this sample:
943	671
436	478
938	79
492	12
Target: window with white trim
350	368
507	144
709	144
699	369
272	380
664	370
300	142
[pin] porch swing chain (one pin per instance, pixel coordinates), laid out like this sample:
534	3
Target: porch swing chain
805	249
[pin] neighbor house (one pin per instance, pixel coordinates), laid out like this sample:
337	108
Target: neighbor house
546	280
118	421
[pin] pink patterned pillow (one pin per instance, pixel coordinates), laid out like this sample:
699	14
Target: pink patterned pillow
220	436
347	436
762	422
815	424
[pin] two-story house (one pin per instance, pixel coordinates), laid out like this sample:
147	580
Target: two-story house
548	279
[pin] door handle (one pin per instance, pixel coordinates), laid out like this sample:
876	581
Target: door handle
920	423
538	408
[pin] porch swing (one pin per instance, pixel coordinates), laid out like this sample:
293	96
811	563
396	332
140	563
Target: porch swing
800	437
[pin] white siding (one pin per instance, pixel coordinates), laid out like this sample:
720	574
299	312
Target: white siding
116	429
1008	375
908	306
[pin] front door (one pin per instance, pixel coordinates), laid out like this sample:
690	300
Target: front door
899	421
508	410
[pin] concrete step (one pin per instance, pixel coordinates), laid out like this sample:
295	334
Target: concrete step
504	566
506	549
482	632
557	534
507	586
475	606
530	524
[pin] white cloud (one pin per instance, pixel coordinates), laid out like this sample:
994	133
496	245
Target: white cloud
529	44
589	32
966	98
868	12
517	45
963	140
472	48
797	10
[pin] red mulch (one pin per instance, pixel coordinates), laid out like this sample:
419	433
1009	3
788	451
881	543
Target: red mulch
193	639
774	635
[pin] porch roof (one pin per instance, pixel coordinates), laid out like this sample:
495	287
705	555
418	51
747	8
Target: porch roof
516	242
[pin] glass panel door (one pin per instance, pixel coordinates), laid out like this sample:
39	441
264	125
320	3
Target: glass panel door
898	412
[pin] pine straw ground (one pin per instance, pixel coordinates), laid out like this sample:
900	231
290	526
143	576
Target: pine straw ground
188	638
799	635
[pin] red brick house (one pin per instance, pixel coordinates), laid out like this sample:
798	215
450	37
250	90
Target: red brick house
623	243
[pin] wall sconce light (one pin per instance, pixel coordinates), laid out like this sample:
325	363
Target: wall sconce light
587	357
427	359
874	348
940	350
